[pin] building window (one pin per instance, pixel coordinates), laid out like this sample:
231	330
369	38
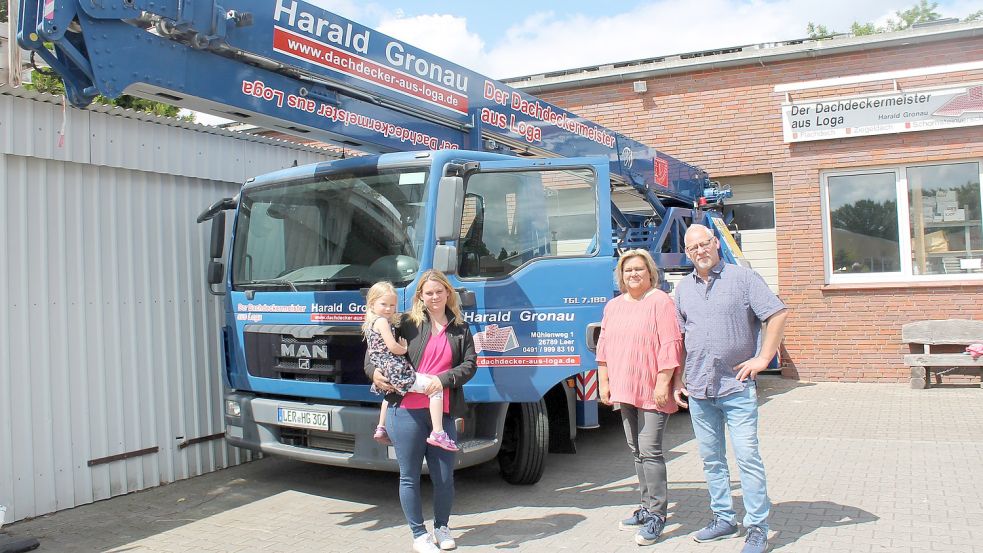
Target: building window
904	222
752	215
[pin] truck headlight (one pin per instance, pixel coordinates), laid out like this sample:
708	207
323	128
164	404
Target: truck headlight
232	408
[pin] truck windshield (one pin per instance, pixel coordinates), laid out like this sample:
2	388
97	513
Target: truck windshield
330	232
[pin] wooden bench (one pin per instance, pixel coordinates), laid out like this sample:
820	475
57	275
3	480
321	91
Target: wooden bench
951	336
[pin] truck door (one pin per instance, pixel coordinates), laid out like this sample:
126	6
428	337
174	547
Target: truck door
536	251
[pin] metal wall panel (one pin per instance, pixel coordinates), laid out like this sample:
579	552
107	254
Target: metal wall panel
109	340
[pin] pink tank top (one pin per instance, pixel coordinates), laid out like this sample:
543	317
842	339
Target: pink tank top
436	359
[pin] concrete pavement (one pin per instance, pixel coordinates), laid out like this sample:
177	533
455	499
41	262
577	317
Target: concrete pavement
851	468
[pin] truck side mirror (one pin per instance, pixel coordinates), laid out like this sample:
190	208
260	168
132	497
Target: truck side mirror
445	259
217	244
593	336
449	209
215	273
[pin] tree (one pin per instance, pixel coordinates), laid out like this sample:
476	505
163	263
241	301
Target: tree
51	84
819	32
919	13
3	11
975	16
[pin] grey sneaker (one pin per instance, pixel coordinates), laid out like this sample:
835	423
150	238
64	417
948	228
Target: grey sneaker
445	541
756	540
718	529
649	534
636	520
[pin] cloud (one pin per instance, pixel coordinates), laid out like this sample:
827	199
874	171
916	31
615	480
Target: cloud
444	35
547	41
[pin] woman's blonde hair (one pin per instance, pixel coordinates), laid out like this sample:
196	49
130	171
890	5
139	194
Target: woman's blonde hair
378	290
619	276
418	310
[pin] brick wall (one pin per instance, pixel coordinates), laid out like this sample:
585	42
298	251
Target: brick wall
728	121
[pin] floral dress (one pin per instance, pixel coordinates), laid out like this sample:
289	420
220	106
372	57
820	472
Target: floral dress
394	367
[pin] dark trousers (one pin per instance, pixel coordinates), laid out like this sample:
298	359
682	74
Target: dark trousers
644	430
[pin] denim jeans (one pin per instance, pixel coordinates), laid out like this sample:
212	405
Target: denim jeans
739	412
644	429
408	429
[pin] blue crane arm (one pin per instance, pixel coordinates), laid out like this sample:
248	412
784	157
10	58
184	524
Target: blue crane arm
293	66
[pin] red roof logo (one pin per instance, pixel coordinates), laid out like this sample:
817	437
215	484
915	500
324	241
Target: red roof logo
971	101
493	338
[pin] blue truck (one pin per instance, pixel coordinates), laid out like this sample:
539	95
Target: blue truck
509	195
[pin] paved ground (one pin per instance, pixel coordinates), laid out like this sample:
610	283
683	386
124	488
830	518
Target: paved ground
851	468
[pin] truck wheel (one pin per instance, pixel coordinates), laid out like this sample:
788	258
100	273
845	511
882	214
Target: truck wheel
525	443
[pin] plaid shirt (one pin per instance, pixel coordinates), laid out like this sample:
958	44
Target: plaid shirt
721	324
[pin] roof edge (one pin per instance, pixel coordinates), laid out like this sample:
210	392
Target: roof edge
737	56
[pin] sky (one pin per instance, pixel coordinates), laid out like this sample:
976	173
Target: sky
514	38
508	38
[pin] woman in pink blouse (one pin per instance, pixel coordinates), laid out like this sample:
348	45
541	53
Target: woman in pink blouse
638	357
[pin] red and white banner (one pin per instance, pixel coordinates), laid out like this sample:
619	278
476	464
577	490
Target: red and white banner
336	317
319	53
530	361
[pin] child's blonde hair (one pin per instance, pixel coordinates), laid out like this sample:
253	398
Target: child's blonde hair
378	290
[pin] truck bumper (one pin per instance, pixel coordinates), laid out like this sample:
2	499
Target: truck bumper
346	442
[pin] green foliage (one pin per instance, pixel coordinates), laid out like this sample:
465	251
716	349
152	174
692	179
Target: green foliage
51	84
919	13
866	29
975	16
3	11
819	32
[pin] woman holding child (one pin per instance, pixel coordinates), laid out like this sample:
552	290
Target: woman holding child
439	344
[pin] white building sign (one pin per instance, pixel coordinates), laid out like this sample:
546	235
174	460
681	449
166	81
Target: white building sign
916	110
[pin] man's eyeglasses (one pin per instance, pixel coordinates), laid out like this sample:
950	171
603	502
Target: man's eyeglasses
701	246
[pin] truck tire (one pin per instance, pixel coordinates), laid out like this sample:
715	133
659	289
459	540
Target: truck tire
525	442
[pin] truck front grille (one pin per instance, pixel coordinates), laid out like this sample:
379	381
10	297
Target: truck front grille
308	353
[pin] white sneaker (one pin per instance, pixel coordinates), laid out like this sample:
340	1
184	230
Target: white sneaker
425	544
444	539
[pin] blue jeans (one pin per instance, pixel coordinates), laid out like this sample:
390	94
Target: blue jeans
408	429
739	412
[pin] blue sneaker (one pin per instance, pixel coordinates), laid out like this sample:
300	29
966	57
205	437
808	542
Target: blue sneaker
718	529
756	540
649	534
636	520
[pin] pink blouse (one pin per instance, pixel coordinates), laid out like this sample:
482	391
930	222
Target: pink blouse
639	339
436	359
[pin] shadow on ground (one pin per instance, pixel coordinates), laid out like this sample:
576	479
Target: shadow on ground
571	481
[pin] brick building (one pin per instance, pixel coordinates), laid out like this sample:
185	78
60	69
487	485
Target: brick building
858	220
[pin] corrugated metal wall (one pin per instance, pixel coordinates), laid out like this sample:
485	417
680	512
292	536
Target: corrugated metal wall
109	340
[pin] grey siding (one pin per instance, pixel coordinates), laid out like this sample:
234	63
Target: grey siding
109	340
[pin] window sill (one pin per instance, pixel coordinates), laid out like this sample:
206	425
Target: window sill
847	286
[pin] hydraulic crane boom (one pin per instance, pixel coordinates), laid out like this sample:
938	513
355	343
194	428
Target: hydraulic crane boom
292	66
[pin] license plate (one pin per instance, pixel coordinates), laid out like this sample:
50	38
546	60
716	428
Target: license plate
303	418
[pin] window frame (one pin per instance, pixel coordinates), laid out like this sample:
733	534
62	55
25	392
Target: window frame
774	219
596	212
905	274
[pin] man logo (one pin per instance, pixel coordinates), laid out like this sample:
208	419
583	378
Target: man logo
627	157
304	363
